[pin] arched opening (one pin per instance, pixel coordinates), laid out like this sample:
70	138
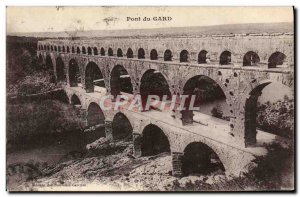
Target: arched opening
276	60
48	47
110	52
49	67
49	64
270	107
51	48
68	49
63	49
202	57
225	58
93	77
73	50
89	51
208	95
184	56
40	61
129	53
168	55
153	54
60	70
198	158
59	49
78	50
83	50
102	52
121	127
120	81
141	53
154	83
95	51
75	100
251	59
95	118
55	48
154	141
119	53
74	75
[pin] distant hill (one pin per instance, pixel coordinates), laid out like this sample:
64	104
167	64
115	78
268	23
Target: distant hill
172	31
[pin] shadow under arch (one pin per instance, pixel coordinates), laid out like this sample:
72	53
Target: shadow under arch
60	70
74	74
121	127
93	77
154	82
75	100
50	68
120	81
154	141
95	119
205	91
199	158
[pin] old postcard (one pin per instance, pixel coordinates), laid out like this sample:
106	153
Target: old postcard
150	99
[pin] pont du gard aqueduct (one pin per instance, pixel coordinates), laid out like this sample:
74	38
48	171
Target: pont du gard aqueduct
242	65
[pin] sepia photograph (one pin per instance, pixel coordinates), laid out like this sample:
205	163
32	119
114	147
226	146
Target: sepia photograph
150	99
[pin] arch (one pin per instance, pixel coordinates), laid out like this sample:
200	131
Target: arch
110	52
40	61
251	113
45	47
95	118
78	50
49	63
102	52
51	48
59	49
60	70
63	49
95	51
89	49
225	58
129	53
50	68
73	49
74	75
276	60
202	57
184	56
119	53
121	127
75	100
251	59
153	82
153	55
48	48
206	91
168	55
93	77
154	141
55	48
198	158
120	81
68	49
83	50
141	53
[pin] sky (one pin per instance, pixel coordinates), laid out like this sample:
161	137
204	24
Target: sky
54	19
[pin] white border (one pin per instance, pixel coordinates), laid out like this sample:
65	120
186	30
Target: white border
4	3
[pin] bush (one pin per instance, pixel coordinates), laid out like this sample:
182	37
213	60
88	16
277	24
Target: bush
25	121
277	118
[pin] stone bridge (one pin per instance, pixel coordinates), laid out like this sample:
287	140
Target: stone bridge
240	64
